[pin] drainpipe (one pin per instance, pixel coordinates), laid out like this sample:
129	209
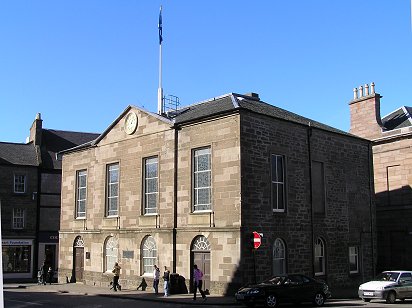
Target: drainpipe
309	135
371	191
175	180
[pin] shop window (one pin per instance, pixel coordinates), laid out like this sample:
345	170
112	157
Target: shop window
16	259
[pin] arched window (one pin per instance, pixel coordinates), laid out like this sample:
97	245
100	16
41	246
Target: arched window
78	242
320	256
279	257
149	254
201	244
111	253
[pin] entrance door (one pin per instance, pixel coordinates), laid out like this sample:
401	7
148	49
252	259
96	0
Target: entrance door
200	254
202	260
78	259
78	263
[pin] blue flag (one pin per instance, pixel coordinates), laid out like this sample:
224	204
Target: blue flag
160	27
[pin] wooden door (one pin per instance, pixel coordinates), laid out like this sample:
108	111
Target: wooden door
202	260
78	263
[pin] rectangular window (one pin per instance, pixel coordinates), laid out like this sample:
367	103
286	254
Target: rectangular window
81	192
112	174
18	218
318	187
278	182
151	188
19	183
202	171
353	259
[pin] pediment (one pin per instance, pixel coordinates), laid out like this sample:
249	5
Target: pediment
131	123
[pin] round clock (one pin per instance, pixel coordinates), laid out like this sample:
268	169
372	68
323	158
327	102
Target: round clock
130	123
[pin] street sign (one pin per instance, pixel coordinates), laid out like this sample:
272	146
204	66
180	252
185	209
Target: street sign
257	240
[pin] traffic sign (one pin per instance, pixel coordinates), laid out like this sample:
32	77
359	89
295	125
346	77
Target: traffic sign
257	240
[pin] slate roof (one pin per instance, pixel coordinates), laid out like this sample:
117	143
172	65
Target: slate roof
398	119
230	102
54	141
18	154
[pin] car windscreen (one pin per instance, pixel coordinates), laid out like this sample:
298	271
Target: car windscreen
275	280
387	276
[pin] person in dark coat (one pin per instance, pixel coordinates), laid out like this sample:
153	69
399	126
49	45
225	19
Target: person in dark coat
50	274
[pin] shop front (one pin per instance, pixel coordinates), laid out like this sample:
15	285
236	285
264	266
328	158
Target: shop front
17	257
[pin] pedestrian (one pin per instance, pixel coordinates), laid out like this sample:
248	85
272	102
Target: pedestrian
50	274
166	277
156	277
198	282
116	272
43	270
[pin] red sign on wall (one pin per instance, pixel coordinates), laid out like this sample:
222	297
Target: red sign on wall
257	240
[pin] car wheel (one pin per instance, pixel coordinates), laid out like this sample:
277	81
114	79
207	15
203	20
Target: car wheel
271	301
391	298
319	299
367	300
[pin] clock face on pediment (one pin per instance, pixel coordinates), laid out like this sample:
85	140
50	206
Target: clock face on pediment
130	124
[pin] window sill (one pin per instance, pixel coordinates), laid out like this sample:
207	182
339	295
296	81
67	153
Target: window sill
202	212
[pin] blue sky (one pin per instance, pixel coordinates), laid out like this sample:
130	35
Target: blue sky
81	63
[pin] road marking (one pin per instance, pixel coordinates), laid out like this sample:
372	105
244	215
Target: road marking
23	302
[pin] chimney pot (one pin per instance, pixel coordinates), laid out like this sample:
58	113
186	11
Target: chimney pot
360	91
355	93
372	88
366	89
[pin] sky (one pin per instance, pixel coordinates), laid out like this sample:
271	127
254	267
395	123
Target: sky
80	63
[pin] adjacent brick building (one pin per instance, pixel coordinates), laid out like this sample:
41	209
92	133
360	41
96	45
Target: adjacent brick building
391	138
30	179
190	186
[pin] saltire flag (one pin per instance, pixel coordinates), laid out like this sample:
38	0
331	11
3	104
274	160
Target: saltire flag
160	27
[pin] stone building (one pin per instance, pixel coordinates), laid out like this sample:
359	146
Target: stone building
391	138
30	179
190	186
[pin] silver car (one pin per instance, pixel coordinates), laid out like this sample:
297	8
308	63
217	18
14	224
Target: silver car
389	285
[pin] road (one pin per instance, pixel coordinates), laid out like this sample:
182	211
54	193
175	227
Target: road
22	298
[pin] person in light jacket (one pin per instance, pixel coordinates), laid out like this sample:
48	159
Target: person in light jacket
156	277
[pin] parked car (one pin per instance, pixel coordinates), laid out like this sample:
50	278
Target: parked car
389	286
284	289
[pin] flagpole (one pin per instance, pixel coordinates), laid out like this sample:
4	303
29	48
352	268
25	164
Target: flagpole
160	89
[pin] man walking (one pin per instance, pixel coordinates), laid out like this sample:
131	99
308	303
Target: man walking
116	272
166	277
198	282
156	277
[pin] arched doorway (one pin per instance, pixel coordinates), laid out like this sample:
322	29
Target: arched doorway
78	259
200	255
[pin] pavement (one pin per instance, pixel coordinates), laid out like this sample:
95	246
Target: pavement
82	289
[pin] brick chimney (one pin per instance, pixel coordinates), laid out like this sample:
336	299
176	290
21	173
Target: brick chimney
365	117
35	130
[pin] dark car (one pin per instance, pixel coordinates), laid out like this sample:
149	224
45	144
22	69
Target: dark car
284	289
